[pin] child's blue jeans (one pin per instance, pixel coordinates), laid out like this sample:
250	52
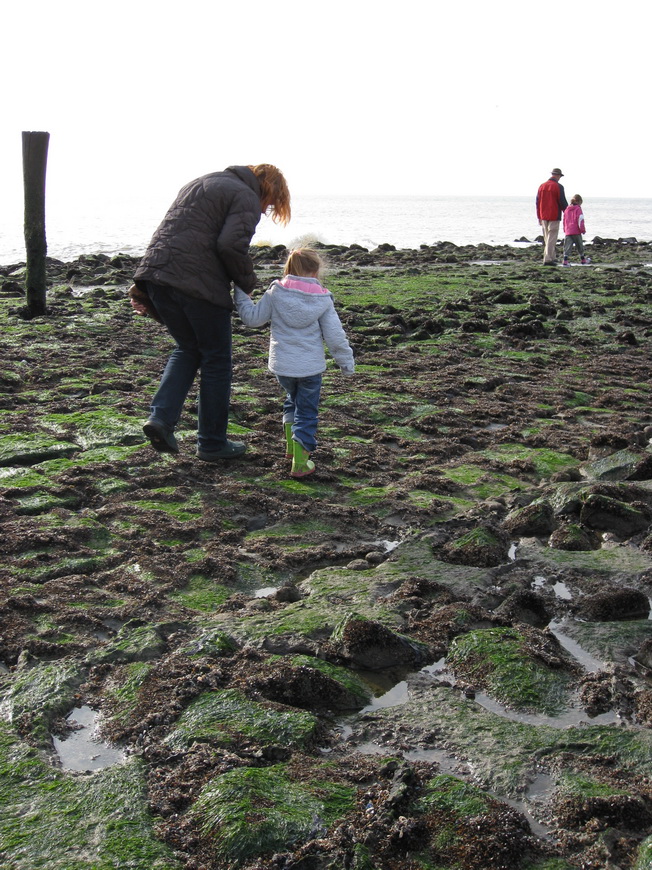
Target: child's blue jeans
301	408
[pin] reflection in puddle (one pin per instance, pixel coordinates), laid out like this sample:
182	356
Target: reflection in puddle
265	591
388	546
560	589
396	696
436	667
589	663
81	750
563	720
535	795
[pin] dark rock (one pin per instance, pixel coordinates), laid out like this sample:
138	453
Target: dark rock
368	644
12	289
617	466
614	605
304	687
484	546
609	515
531	329
574	538
506	297
536	519
288	594
619	810
527	606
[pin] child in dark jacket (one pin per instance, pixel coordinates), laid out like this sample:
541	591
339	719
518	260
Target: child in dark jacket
303	319
574	228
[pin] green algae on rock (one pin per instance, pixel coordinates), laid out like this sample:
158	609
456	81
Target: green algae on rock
38	694
254	811
57	820
217	716
497	660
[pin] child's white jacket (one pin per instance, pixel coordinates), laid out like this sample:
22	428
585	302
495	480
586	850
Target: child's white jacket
303	318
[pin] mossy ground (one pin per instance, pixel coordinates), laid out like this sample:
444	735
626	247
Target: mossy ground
129	576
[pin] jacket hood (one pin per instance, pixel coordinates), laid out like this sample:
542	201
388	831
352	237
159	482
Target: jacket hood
246	175
299	302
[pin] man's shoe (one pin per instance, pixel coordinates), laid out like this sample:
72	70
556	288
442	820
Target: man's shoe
552	263
230	450
161	438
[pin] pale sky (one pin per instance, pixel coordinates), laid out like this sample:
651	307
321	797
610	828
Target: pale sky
408	97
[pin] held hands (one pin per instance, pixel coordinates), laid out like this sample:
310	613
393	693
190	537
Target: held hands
142	304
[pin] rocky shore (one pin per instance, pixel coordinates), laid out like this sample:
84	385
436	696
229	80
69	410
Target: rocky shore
434	653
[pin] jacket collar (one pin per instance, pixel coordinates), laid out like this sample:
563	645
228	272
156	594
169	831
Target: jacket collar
246	175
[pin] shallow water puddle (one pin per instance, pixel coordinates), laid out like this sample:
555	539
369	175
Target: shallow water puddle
396	696
388	546
82	750
535	794
560	589
265	591
589	662
567	719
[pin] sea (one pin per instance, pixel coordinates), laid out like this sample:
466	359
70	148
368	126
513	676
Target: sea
125	226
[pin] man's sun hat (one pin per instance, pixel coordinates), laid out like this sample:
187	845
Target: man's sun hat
556	172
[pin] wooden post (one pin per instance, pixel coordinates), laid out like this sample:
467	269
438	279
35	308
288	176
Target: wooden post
35	158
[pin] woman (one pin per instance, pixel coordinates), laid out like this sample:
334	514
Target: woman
200	248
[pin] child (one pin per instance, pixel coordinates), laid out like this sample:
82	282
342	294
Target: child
573	228
303	318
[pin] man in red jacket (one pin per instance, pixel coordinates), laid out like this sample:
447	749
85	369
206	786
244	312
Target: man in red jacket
551	202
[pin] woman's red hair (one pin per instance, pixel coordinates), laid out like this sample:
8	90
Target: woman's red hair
274	192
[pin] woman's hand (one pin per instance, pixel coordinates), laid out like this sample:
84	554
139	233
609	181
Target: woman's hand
142	304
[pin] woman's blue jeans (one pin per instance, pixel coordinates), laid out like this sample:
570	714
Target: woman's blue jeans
301	408
202	332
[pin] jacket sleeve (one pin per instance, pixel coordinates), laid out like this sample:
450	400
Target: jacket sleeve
581	223
234	240
563	203
336	340
253	313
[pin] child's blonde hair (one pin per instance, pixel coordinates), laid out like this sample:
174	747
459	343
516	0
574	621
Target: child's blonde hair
576	200
304	263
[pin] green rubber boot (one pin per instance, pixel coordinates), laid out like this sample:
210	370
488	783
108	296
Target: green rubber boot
302	464
289	443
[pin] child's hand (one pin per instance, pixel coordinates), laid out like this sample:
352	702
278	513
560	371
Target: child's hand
142	304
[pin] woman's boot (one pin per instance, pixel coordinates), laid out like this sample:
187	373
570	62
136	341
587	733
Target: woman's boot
302	464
